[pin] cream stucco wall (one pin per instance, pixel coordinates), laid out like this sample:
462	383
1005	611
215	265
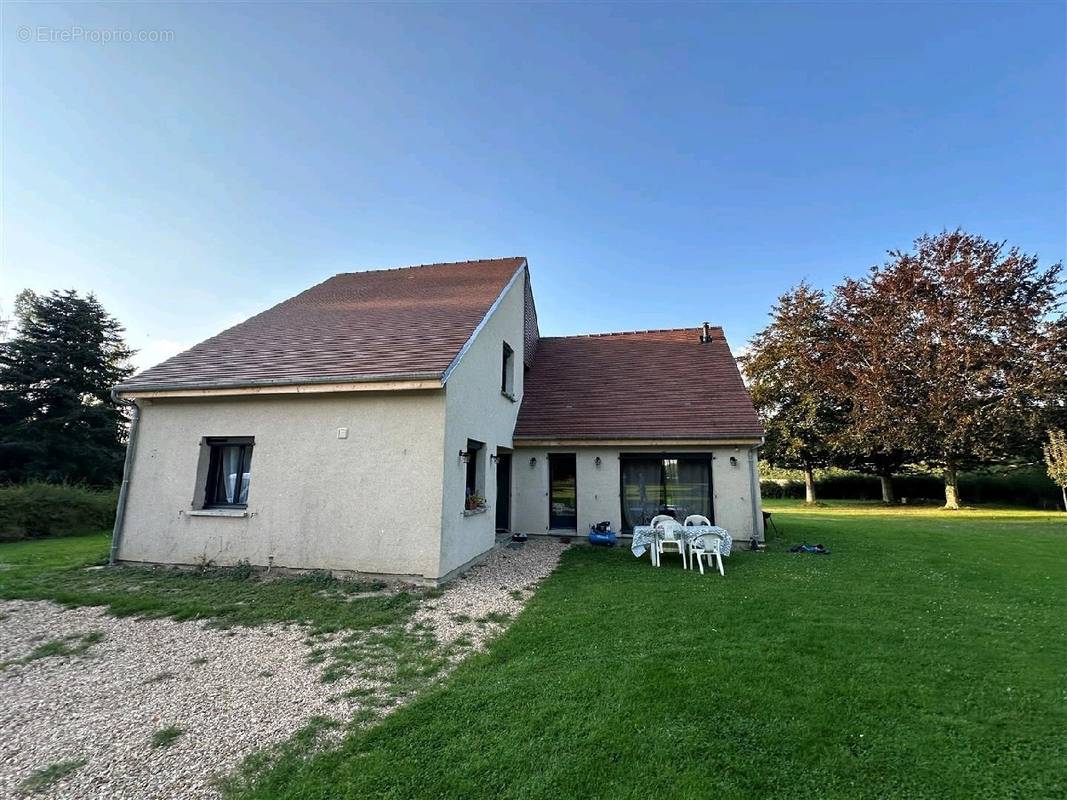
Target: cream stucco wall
598	487
476	409
315	501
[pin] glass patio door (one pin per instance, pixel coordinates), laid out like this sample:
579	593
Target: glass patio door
674	485
562	492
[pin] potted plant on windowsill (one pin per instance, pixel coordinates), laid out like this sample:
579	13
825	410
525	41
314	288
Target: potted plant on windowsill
475	502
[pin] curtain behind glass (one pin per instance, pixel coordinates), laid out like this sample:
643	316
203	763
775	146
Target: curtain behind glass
642	491
246	474
229	468
689	489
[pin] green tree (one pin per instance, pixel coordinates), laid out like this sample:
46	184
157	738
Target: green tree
1056	461
57	419
1055	357
784	366
954	352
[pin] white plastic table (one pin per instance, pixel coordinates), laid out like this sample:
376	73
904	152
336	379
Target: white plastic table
646	538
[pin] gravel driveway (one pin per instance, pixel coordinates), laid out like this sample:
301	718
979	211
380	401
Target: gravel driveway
229	692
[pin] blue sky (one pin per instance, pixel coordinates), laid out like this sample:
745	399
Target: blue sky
659	165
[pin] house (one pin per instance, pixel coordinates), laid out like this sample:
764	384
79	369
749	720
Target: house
393	422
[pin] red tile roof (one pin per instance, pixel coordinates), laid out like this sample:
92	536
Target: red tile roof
394	323
640	385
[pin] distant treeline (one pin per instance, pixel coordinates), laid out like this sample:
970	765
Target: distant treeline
1024	487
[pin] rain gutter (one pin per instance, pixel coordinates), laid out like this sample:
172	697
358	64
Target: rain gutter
127	466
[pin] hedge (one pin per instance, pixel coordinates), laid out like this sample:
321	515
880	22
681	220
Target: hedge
1022	488
35	510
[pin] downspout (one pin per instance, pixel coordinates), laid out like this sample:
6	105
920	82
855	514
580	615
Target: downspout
131	446
754	492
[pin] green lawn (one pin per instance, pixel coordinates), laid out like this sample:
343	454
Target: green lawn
19	560
54	569
925	657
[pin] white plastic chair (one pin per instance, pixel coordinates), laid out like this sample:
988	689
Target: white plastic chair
656	520
705	546
670	538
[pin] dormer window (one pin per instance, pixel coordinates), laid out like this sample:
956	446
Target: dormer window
507	372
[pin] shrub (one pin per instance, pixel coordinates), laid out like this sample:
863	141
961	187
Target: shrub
781	489
34	510
241	571
1026	487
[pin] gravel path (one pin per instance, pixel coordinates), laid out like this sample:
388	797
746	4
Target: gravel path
230	692
496	589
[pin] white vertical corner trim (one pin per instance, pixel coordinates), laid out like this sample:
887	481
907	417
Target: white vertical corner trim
520	272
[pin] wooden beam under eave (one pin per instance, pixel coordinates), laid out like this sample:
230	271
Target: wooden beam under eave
637	442
300	388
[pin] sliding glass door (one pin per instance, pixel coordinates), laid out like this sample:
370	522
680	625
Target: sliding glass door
673	485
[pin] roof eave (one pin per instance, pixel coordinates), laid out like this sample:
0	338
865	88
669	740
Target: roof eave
395	381
743	438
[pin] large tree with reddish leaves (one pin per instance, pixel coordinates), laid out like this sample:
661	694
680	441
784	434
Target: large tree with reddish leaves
949	353
1054	356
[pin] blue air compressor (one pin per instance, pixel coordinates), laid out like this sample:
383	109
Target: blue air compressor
602	535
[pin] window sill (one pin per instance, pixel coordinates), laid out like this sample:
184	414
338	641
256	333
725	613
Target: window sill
471	512
219	512
509	396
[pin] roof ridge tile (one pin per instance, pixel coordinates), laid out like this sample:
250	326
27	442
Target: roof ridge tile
633	333
432	264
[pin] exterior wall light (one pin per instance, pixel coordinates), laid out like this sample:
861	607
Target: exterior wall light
464	456
495	457
533	461
733	461
597	461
